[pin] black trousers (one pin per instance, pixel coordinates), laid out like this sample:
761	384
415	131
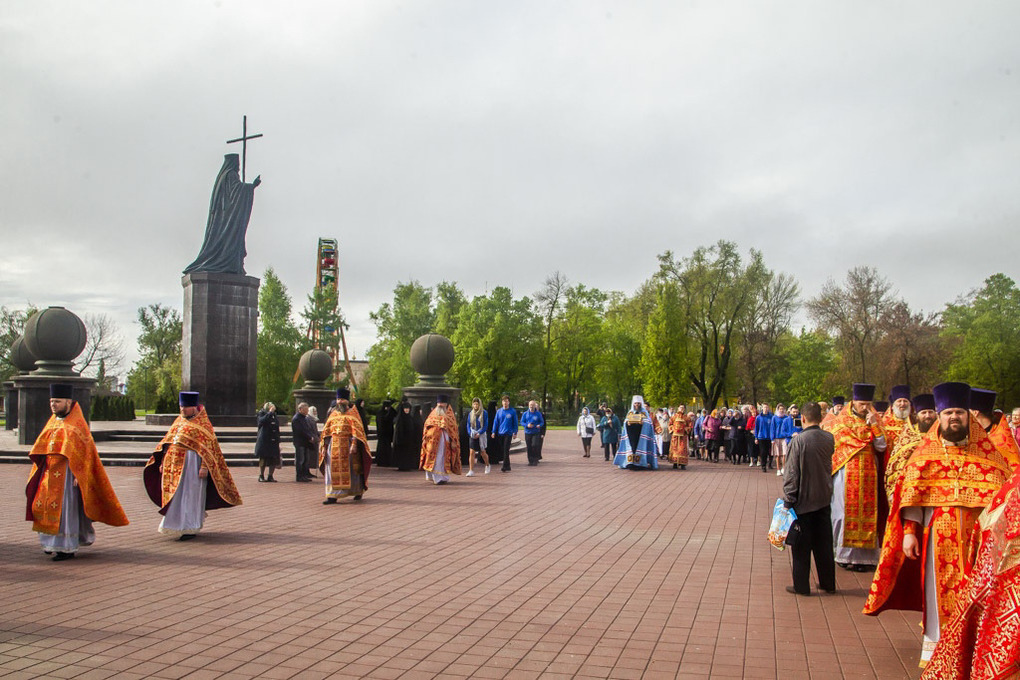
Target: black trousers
302	461
610	449
764	448
815	539
533	442
505	442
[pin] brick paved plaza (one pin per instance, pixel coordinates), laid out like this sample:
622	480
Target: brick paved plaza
570	569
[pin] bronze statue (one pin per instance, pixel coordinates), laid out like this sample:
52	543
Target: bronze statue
223	250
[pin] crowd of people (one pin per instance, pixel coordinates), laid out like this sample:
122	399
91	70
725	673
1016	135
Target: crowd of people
923	491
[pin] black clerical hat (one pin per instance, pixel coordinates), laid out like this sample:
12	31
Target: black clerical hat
951	395
61	391
864	392
188	399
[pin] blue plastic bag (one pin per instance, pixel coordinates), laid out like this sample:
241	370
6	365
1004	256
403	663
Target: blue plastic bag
782	519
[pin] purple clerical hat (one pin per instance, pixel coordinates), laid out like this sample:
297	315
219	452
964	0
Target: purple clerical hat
61	391
442	399
839	401
343	393
924	402
188	399
899	392
864	392
951	395
881	406
982	401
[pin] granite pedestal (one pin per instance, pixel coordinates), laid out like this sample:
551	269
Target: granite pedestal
34	402
218	345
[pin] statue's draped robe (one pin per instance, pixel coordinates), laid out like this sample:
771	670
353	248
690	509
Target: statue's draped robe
345	472
856	517
434	447
188	445
65	450
982	639
949	486
223	249
679	429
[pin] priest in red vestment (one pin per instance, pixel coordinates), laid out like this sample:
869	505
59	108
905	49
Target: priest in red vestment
982	640
344	457
952	475
440	443
68	488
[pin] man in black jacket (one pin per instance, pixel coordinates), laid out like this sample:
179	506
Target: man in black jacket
807	488
304	443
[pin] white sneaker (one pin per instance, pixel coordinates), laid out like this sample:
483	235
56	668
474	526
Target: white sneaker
486	469
470	473
751	464
779	473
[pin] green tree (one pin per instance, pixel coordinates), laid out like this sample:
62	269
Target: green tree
12	324
620	351
279	345
717	290
548	302
664	360
768	319
449	301
578	333
809	367
856	314
984	327
497	345
399	324
157	373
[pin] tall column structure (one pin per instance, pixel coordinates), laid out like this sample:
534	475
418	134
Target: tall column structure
218	345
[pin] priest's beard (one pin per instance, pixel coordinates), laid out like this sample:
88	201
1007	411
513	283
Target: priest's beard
441	410
343	406
901	413
924	423
63	413
955	431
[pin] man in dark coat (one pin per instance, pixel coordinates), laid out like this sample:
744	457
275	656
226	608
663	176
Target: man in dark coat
305	438
807	488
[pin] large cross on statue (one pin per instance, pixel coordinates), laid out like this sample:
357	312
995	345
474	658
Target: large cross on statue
244	143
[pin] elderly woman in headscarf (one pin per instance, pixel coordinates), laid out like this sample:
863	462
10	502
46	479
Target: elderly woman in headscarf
638	449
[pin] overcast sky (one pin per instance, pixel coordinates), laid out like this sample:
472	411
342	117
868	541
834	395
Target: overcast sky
493	143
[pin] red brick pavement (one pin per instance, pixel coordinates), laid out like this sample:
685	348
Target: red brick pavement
570	569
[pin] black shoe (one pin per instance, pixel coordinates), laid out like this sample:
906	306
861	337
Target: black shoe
329	501
187	537
793	591
261	478
60	557
826	590
675	466
270	480
504	469
358	497
303	479
683	467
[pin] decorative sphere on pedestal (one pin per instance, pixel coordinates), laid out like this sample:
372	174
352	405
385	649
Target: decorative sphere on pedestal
22	359
55	337
316	366
432	356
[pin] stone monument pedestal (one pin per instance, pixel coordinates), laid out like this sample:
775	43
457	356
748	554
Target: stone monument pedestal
34	401
218	345
319	398
10	405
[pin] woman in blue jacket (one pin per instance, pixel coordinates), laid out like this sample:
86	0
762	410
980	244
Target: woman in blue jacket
609	427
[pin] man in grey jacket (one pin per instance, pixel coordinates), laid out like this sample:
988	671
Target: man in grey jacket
807	488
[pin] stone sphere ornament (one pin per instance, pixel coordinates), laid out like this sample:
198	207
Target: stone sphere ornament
22	359
316	366
55	336
432	357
